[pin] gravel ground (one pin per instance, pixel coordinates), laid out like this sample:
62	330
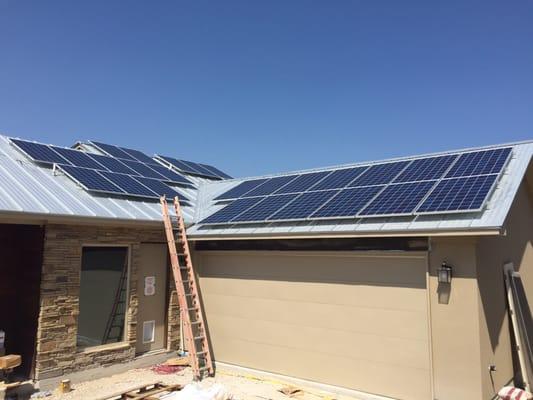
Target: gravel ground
241	387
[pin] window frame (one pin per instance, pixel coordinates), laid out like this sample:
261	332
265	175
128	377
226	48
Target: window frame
127	320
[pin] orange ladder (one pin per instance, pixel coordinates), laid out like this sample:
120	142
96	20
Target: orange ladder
191	313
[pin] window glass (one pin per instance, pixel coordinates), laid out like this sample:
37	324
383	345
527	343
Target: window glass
103	287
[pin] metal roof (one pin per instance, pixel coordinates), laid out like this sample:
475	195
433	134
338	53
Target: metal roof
492	218
30	189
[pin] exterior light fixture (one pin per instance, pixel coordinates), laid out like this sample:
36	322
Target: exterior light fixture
445	273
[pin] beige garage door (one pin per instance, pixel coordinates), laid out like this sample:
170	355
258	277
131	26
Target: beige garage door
354	321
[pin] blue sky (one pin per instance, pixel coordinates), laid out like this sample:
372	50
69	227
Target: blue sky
268	86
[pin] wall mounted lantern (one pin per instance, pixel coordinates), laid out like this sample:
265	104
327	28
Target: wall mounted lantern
445	273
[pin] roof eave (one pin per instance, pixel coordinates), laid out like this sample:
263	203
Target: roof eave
489	231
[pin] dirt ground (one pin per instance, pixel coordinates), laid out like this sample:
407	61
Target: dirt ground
240	386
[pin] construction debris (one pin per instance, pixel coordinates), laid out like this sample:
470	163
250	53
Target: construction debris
144	392
512	393
194	391
291	391
165	369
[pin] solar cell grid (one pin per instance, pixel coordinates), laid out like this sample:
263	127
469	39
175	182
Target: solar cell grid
112	164
216	171
112	150
40	152
458	194
240	189
129	185
426	169
230	211
170	175
160	188
379	174
143	169
338	179
302	182
270	186
139	155
303	205
398	199
480	163
347	203
264	208
78	158
91	179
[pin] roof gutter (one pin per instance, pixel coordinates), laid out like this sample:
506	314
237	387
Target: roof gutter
494	231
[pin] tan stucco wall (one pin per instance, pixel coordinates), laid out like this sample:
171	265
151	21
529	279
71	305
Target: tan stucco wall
492	253
454	322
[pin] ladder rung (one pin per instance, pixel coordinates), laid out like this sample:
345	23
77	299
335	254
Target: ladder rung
196	322
192	308
203	369
190	295
198	338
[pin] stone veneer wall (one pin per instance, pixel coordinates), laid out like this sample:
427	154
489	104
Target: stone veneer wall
57	353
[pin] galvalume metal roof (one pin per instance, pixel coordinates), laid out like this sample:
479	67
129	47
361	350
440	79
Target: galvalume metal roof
30	191
491	218
27	189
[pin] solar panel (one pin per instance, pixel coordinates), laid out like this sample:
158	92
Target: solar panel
458	194
232	210
170	175
139	155
129	185
176	163
379	174
143	169
39	152
303	205
202	169
347	203
270	186
114	151
480	163
112	164
240	189
339	179
425	169
160	188
398	199
91	180
77	158
215	171
303	182
266	207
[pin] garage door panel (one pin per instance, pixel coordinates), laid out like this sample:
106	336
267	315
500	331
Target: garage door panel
366	376
356	321
362	295
359	346
317	268
399	323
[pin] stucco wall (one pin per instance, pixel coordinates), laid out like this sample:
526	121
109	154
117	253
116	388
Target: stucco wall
454	322
492	253
57	352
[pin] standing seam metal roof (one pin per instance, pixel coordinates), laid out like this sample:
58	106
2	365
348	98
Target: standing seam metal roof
28	188
492	217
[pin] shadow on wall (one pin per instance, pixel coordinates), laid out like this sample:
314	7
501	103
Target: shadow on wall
493	252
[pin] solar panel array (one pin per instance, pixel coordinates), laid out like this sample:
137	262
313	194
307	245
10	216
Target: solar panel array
137	176
459	182
193	168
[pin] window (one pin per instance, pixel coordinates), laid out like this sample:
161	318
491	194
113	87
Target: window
148	331
103	295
